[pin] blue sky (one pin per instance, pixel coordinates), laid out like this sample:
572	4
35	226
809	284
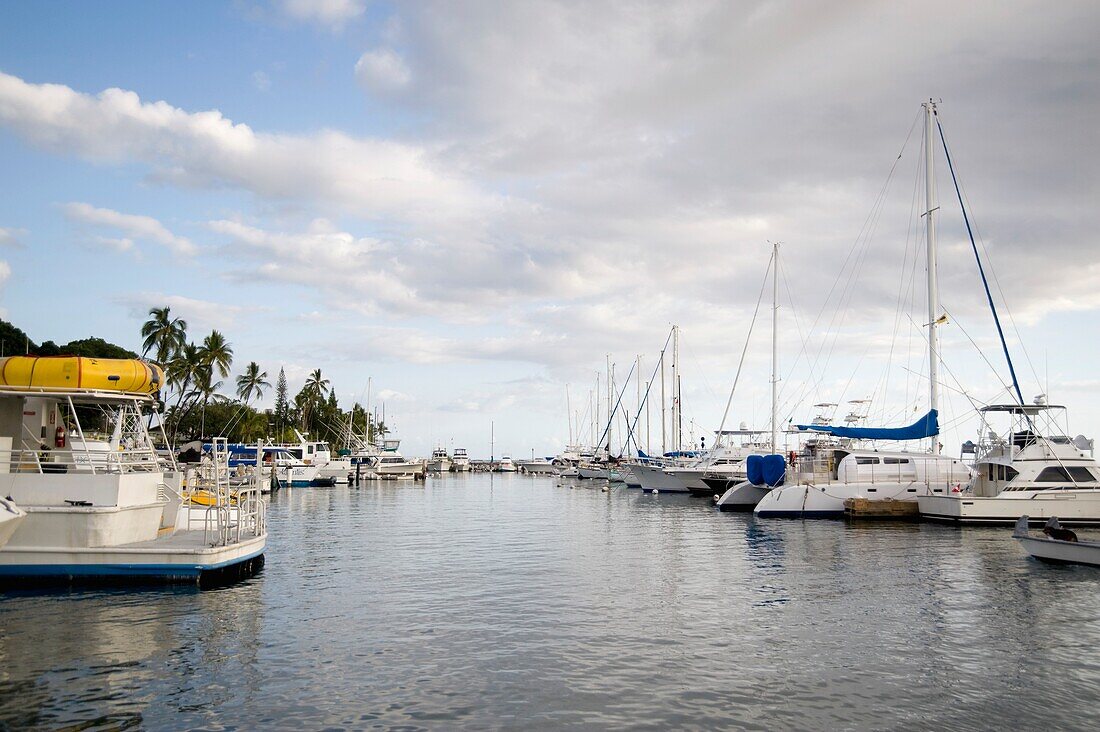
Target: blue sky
474	204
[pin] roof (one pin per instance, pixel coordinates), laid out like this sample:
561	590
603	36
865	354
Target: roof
1020	408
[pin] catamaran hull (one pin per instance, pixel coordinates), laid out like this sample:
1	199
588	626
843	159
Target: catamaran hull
1080	509
738	496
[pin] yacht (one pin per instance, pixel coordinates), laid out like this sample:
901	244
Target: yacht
440	461
1023	472
825	484
460	461
536	466
393	465
506	465
99	503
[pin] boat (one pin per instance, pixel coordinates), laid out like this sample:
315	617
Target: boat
103	506
393	465
1024	471
460	461
536	466
440	461
505	465
78	372
11	516
1058	544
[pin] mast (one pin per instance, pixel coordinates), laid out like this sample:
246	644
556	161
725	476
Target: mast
664	420
933	286
775	347
569	414
676	436
638	383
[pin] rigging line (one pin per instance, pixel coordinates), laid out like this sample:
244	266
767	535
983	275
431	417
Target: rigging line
996	279
649	384
865	234
981	353
981	269
745	349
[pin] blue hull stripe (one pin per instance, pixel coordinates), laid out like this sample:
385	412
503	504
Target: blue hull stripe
119	570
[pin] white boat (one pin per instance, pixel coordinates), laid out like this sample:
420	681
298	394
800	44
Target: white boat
440	461
1023	472
726	463
653	477
1057	545
11	516
393	465
536	466
740	496
505	465
460	461
113	515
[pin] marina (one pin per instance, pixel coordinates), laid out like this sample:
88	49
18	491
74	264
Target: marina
554	365
646	607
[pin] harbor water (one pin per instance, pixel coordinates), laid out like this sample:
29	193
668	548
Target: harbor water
486	602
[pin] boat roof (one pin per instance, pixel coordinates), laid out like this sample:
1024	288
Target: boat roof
1020	408
84	396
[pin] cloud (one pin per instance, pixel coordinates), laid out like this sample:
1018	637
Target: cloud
12	238
145	228
5	272
371	178
201	315
334	14
382	70
261	81
389	395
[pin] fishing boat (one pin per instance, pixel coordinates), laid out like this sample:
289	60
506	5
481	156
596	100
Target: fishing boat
460	461
440	461
1029	469
1058	544
100	503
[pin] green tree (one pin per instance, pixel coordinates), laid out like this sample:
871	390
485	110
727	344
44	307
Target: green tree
163	334
217	353
13	341
282	406
252	382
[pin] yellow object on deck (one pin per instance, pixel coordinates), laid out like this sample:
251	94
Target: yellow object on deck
78	372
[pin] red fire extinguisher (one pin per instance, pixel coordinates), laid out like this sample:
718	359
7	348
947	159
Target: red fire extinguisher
59	437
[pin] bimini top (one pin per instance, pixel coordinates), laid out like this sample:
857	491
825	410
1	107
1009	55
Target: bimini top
77	372
1020	408
926	426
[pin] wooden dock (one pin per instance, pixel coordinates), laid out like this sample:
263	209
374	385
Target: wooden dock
866	508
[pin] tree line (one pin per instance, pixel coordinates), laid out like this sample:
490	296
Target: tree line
195	408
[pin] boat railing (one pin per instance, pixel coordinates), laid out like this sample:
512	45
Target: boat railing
45	460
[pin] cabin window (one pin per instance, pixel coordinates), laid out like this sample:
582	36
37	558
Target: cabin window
1081	475
867	461
896	461
1052	475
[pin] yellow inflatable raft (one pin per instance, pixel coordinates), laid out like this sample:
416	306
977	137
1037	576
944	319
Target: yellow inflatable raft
77	372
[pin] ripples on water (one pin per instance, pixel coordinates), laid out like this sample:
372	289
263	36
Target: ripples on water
522	603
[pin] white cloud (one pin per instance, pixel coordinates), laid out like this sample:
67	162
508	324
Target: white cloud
390	395
261	81
331	13
12	237
371	178
145	228
201	315
5	272
382	70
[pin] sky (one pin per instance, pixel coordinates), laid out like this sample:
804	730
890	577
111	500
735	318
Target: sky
472	205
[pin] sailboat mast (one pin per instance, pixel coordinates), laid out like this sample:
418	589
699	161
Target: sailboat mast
933	285
676	436
775	347
569	414
664	420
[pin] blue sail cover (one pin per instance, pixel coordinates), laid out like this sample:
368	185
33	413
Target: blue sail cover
926	426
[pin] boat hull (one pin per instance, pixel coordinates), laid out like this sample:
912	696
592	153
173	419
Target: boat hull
1081	509
655	478
740	497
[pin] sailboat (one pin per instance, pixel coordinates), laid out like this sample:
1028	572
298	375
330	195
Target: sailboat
829	478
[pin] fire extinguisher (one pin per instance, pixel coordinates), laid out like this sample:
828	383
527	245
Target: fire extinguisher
59	437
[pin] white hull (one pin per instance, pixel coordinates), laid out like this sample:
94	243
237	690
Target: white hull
592	473
1056	550
11	516
655	478
460	467
538	468
742	497
1071	507
827	499
439	465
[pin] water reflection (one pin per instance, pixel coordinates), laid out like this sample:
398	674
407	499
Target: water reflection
509	600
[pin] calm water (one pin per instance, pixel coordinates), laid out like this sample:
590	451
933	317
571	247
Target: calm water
527	604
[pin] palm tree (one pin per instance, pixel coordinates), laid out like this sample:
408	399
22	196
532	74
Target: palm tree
163	334
217	353
316	384
315	388
251	382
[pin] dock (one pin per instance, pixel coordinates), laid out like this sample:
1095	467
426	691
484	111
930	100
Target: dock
866	508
